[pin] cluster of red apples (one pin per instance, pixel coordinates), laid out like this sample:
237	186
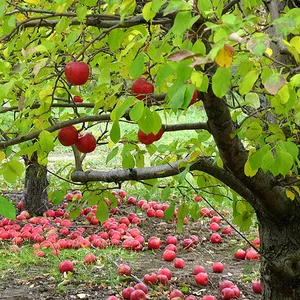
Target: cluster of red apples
141	88
56	232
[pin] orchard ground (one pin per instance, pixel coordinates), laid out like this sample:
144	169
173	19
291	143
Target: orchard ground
25	275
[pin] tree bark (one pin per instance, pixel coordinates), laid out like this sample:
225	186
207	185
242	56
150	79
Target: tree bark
36	182
280	263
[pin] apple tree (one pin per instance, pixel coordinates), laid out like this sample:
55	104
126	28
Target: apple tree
139	62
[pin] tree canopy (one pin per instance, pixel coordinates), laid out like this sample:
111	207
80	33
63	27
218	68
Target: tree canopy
241	57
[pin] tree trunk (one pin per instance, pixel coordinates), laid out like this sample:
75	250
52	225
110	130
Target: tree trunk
280	262
35	191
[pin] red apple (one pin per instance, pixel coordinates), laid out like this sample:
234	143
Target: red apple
142	87
165	271
179	263
251	254
227	230
77	73
124	269
90	258
148	139
257	287
141	286
227	294
150	278
214	226
159	214
171	247
216	219
154	243
208	298
127	292
86	143
237	292
131	200
68	136
122	193
112	298
204	212
256	242
240	254
169	255
150	212
171	240
191	298
187	243
78	99
217	267
197	198
194	98
66	266
163	279
201	278
225	284
176	294
199	269
138	295
215	238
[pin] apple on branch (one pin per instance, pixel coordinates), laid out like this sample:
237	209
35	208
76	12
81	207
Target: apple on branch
77	73
142	87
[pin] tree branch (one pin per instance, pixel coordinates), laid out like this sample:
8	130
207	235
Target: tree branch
234	156
205	164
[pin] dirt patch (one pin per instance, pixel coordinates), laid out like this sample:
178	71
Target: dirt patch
44	286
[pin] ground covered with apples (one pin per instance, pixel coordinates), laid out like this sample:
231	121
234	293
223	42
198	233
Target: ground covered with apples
53	257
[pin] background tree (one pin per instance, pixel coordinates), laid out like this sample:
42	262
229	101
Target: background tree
241	56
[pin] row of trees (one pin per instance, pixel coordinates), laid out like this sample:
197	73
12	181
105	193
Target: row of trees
242	57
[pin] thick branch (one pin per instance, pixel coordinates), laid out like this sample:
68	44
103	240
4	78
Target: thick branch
234	156
205	164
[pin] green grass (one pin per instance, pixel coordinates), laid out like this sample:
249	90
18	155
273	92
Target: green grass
26	265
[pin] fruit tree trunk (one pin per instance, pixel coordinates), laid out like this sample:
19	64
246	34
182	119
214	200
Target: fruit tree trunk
36	182
280	261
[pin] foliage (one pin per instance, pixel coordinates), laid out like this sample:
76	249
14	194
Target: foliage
177	45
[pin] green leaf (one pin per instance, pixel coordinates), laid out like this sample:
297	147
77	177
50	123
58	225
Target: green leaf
112	154
284	161
205	7
115	39
195	211
181	177
289	147
254	130
57	196
12	170
165	194
81	12
177	99
163	72
169	212
267	161
248	81
148	13
115	132
295	80
7	209
147	121
256	158
128	160
221	82
121	108
74	214
46	141
102	211
157	124
137	67
9	23
180	23
183	211
252	99
137	111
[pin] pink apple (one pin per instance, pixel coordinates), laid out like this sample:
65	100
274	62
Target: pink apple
201	278
165	271
154	243
240	254
215	238
124	269
171	240
208	298
227	294
257	287
214	227
199	269
90	258
66	266
179	263
176	294
218	267
169	255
